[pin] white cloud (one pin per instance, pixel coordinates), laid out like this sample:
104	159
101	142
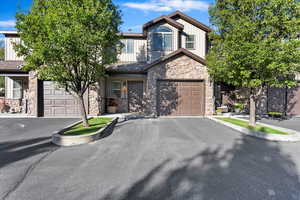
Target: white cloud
168	5
147	6
7	23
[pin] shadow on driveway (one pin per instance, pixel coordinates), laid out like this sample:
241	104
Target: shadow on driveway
251	169
13	151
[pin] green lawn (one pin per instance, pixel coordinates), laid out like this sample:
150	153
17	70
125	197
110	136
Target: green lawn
256	128
95	125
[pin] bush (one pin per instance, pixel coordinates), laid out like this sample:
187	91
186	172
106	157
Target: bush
219	111
275	114
239	106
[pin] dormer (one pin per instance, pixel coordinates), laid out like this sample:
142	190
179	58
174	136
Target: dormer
167	34
162	37
194	36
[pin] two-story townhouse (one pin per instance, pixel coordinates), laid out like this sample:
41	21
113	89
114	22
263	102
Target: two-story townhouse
161	71
14	82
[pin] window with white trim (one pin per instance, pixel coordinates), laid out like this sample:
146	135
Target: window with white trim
116	88
128	46
190	42
17	89
162	39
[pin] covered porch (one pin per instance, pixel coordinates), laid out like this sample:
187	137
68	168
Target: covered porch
125	93
13	88
125	88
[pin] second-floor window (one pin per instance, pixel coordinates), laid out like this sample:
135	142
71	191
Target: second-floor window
162	39
128	46
190	42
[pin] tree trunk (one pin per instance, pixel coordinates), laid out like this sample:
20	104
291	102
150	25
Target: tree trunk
252	121
83	111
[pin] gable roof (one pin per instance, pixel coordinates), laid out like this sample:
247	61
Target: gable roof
177	14
9	33
139	68
127	67
176	53
163	18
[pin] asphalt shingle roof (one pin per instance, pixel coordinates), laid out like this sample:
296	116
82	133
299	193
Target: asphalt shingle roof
127	67
11	66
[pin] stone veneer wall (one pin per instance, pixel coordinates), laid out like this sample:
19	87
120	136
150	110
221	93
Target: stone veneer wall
32	94
16	105
11	105
97	98
181	67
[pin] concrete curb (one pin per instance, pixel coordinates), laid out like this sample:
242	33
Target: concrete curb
72	140
291	131
16	116
293	137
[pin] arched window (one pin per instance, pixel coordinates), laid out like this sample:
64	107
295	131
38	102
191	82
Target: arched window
162	39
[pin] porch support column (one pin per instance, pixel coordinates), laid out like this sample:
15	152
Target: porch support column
96	98
32	98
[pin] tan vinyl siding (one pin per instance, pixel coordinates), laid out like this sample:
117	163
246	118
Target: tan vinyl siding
8	87
10	53
153	55
200	38
139	52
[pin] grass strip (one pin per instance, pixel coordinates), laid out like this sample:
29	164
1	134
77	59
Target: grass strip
95	125
258	127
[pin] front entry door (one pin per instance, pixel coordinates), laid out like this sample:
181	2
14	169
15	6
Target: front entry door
135	96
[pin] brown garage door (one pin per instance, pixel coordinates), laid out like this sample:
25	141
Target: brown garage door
180	98
57	102
293	107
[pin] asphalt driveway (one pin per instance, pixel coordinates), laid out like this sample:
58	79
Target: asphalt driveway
153	159
24	142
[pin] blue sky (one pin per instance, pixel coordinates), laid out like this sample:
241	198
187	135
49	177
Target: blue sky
134	12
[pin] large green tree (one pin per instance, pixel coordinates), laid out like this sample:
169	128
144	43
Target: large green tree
255	44
70	42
